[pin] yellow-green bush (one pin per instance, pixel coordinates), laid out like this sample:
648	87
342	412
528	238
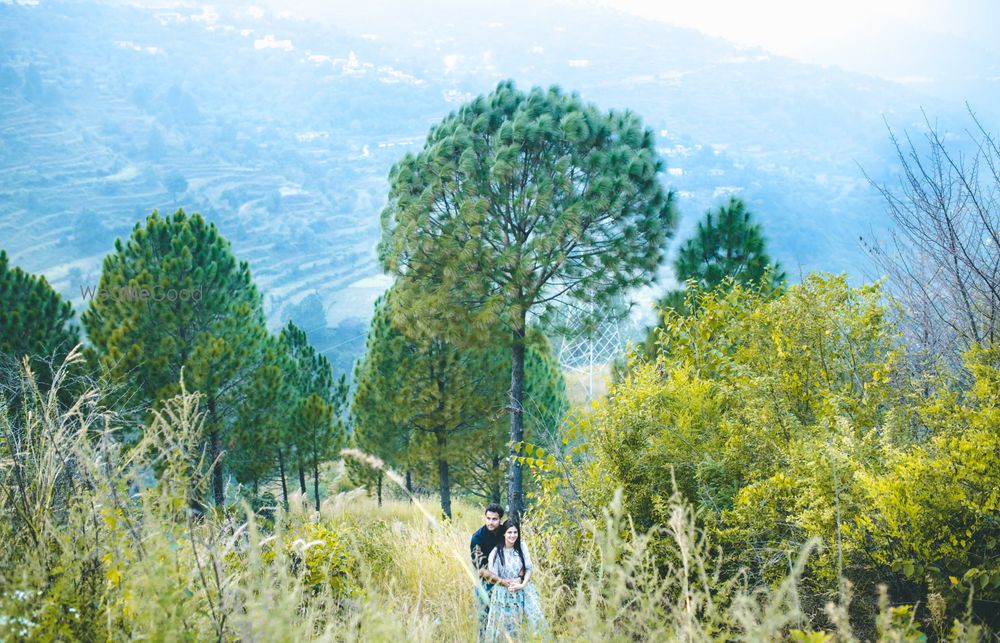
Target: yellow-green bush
933	517
793	417
317	554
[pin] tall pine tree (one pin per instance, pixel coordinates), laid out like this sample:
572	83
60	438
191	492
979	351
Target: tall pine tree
727	245
515	201
315	429
378	429
419	398
173	296
256	441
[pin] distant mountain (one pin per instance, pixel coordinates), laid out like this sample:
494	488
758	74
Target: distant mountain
283	130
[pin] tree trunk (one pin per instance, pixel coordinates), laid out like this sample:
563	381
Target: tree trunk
378	486
515	488
440	433
443	482
316	482
216	451
495	482
217	486
195	503
409	486
302	476
284	484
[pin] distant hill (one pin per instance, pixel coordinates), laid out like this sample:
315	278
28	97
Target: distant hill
282	131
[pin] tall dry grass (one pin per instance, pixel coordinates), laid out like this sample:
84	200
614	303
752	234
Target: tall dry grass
99	543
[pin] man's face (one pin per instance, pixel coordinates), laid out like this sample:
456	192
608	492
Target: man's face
492	520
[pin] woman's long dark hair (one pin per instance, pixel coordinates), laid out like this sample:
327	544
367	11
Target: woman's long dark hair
503	541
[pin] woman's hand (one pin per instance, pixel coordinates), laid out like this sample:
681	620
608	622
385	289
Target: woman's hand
514	586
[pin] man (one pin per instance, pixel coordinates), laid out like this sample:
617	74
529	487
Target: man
483	541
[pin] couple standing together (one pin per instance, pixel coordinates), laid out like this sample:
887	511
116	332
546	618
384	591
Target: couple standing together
506	599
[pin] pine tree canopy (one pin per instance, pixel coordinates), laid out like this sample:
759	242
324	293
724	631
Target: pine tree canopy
727	243
34	319
518	199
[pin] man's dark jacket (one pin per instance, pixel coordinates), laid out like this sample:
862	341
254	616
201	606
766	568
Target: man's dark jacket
482	543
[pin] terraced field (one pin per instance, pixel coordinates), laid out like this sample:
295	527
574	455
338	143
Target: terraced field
108	134
283	131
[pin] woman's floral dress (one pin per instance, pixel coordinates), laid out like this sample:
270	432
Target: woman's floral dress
516	615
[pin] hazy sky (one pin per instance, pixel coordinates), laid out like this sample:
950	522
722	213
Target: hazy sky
908	40
946	47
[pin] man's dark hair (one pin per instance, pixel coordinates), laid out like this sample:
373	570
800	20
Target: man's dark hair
495	508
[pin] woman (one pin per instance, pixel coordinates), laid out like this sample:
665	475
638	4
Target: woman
515	612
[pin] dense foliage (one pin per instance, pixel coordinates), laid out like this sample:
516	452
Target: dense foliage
792	418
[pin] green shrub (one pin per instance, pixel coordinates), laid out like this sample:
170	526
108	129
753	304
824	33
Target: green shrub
792	418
